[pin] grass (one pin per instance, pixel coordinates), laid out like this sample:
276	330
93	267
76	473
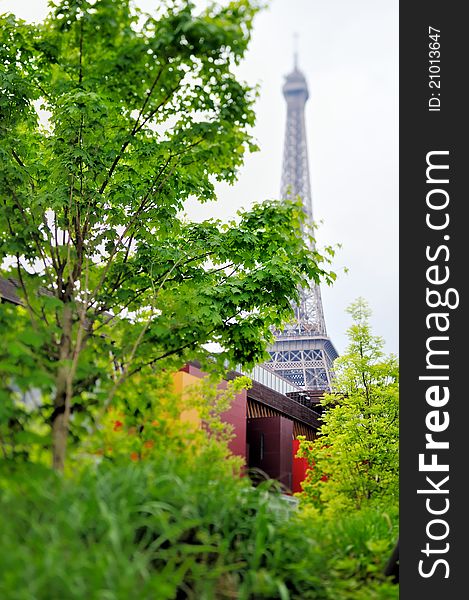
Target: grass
171	530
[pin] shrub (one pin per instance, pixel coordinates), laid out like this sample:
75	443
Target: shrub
172	528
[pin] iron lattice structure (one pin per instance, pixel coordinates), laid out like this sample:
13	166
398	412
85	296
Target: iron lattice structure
303	353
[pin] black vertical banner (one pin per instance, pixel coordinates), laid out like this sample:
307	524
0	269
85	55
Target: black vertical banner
434	314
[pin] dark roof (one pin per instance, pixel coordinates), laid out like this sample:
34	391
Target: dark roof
284	404
8	289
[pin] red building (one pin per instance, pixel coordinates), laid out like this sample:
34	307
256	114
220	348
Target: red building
266	420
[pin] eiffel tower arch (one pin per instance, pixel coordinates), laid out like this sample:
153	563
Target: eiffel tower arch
302	353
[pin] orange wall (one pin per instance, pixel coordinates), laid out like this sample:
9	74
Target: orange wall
182	380
235	415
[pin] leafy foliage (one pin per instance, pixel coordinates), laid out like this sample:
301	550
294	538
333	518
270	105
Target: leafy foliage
355	456
178	526
149	418
110	120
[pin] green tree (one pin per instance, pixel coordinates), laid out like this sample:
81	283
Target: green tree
355	456
110	120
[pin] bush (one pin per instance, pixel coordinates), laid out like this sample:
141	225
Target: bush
173	528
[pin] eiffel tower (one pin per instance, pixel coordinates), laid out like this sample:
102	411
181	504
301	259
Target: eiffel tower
302	353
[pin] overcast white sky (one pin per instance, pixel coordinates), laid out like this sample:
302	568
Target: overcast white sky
348	52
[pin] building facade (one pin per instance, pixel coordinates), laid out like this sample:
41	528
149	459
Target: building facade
266	420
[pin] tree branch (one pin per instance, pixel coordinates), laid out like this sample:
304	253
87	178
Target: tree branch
134	131
132	221
31	310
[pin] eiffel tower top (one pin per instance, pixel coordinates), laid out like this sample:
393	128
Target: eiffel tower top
295	87
295	171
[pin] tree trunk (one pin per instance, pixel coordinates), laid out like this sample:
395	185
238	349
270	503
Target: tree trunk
59	441
61	412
